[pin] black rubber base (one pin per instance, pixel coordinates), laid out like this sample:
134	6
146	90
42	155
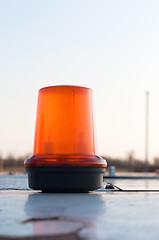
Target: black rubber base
65	179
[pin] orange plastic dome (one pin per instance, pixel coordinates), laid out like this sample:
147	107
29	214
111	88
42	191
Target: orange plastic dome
65	128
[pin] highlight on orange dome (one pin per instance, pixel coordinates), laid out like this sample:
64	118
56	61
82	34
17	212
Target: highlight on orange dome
64	140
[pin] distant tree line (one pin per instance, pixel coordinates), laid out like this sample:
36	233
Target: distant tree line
131	164
12	164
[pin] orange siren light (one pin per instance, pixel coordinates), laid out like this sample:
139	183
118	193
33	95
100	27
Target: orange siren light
64	157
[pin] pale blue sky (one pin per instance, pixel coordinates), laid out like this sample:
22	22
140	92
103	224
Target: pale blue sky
109	46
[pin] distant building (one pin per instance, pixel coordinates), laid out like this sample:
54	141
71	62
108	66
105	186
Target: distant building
156	162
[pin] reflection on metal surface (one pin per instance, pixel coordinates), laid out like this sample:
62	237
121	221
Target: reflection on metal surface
103	214
53	213
56	227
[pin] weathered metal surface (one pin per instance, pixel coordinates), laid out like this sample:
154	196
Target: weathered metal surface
97	215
